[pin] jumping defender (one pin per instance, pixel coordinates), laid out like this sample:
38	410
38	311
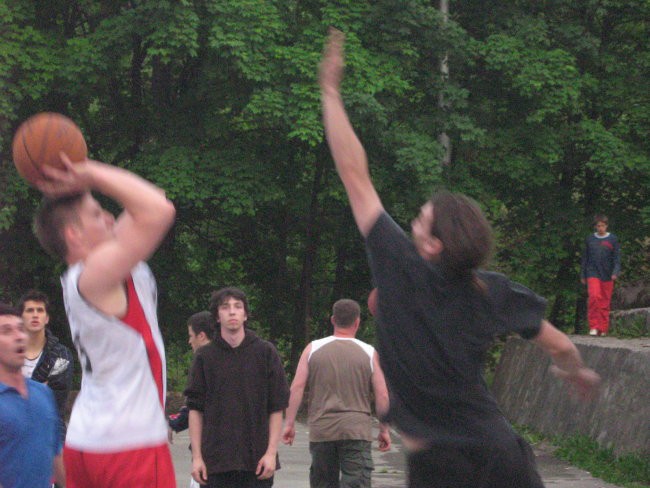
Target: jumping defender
437	315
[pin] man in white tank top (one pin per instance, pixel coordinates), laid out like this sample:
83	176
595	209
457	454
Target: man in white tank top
341	373
117	435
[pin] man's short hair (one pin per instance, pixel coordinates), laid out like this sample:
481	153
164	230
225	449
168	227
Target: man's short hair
34	296
600	218
7	309
50	219
202	322
220	296
345	312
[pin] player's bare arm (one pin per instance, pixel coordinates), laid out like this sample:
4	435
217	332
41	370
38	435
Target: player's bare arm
567	362
267	464
381	402
295	399
347	151
379	387
199	471
146	218
59	470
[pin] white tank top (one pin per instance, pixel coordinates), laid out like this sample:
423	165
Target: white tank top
120	405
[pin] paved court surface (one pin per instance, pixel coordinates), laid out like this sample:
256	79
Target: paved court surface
389	466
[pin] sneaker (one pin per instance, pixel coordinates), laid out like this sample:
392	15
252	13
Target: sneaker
603	334
593	332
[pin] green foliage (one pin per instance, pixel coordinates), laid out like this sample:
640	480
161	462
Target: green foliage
629	470
492	359
547	80
531	436
217	102
632	330
178	360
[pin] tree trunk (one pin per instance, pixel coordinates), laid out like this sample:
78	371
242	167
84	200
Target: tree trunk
443	138
302	317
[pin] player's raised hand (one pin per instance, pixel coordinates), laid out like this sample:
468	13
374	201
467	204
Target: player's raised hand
74	178
331	66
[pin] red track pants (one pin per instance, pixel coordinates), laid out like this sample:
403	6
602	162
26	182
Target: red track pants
600	298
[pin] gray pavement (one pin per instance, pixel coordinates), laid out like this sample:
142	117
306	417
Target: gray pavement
389	466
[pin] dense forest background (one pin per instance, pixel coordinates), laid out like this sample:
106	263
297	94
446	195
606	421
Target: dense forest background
546	106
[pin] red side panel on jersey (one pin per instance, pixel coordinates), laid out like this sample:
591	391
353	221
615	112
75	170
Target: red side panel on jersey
136	319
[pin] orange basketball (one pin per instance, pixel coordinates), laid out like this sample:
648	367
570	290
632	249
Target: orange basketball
40	139
372	301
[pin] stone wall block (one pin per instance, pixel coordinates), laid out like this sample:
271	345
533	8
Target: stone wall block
619	416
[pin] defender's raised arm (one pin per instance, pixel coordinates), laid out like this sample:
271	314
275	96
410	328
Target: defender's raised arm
347	151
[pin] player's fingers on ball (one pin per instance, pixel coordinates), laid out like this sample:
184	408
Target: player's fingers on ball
46	187
42	187
65	159
55	173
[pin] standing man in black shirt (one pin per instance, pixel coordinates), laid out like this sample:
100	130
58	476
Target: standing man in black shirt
437	315
236	395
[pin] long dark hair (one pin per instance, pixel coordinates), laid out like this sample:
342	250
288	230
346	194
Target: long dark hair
464	231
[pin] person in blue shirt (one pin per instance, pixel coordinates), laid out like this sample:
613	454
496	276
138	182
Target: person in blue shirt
601	265
30	444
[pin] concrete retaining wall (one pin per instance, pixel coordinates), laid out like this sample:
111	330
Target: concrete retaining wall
618	418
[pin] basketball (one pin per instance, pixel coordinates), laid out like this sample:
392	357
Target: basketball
40	139
372	302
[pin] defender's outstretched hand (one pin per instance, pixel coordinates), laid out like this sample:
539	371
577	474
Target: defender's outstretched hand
331	67
347	151
584	381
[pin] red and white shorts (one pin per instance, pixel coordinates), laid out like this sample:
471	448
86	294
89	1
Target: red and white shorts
149	467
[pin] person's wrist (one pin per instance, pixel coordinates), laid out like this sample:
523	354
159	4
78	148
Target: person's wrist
87	172
330	91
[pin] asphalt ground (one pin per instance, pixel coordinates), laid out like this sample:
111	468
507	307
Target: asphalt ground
389	466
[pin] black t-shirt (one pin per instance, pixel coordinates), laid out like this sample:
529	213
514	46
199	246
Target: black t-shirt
236	388
433	333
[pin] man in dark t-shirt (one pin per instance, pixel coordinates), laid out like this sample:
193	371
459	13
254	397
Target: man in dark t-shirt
236	394
437	315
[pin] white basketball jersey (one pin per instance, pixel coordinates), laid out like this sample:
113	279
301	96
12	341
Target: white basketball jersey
120	405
